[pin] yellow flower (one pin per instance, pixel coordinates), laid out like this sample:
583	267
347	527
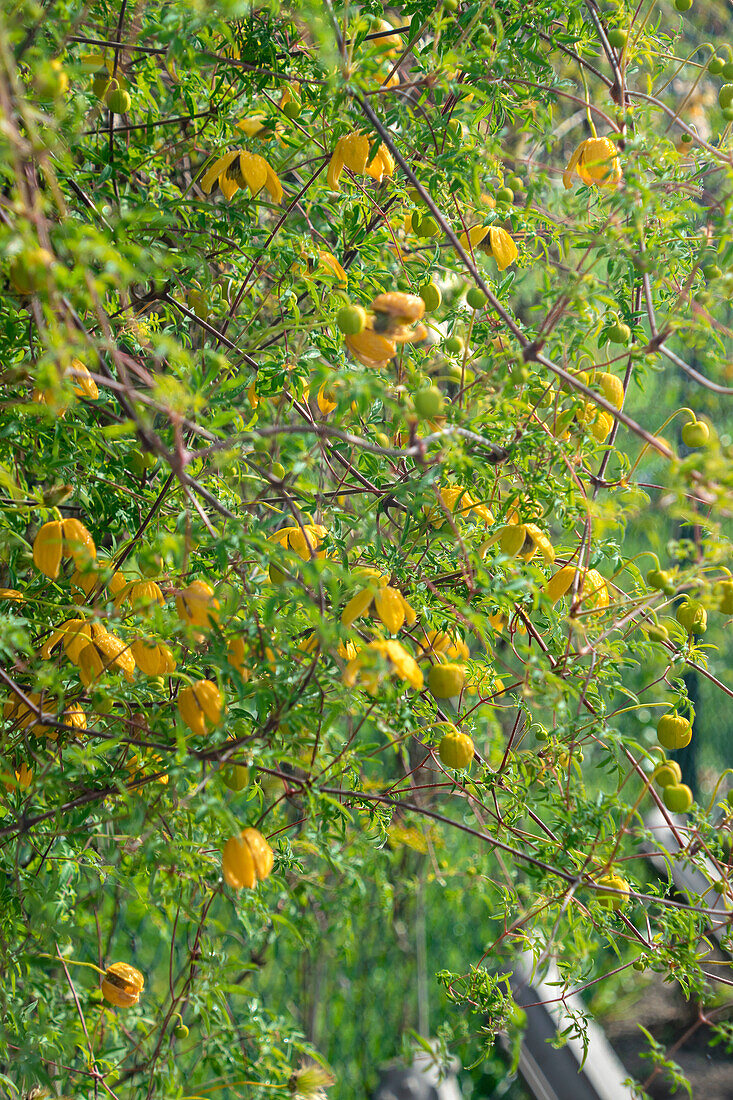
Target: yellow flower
613	388
239	169
256	126
62	538
458	501
594	161
104	652
500	244
12	594
352	152
23	778
590	587
326	263
305	541
522	540
200	706
141	595
74	635
83	385
196	604
441	644
388	324
100	575
246	860
368	659
502	247
390	605
153	658
382	165
122	985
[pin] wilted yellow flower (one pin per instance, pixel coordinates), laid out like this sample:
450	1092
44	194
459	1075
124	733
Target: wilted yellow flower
522	540
102	653
309	1080
122	985
365	665
390	605
239	169
389	323
594	161
370	349
200	706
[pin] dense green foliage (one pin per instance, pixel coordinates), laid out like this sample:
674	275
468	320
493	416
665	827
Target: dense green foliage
357	528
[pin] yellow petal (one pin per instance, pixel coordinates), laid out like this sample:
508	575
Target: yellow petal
567	176
217	169
335	168
503	248
390	608
254	169
474	236
273	185
357	606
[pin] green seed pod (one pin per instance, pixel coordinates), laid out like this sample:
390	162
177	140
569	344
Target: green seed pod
674	731
725	96
668	774
683	5
454	345
431	296
292	109
716	66
504	196
428	403
692	616
351	320
695	433
476	298
678	798
619	333
118	101
728	70
617	37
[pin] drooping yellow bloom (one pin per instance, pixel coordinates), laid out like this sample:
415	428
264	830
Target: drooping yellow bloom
153	658
522	540
141	595
389	323
500	244
12	594
200	705
352	152
74	635
122	985
590	587
83	386
325	264
595	161
99	575
305	541
502	247
239	169
102	653
257	126
389	604
459	502
62	538
367	660
197	605
246	860
444	645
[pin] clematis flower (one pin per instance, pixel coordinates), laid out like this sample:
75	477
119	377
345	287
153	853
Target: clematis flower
591	588
122	985
459	502
102	653
388	324
305	541
500	245
141	596
74	635
325	263
522	540
197	605
257	126
83	386
366	665
444	645
595	161
200	705
153	658
99	575
239	169
352	152
59	539
389	604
